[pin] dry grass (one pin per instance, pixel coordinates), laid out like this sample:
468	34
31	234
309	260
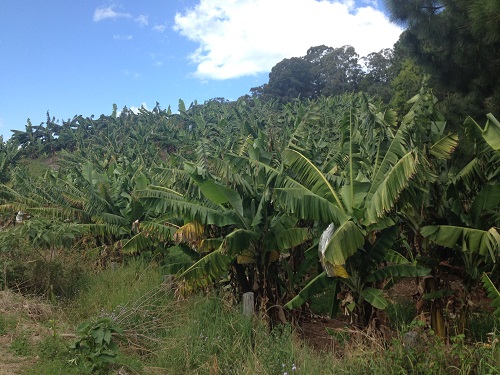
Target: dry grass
14	304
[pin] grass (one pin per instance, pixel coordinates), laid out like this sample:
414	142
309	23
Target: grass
21	344
205	334
6	324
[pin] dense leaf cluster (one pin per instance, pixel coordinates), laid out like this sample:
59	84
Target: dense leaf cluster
240	193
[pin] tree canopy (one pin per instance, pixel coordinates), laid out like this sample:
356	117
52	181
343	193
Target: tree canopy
458	42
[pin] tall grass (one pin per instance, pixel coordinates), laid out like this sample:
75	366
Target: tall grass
205	334
113	289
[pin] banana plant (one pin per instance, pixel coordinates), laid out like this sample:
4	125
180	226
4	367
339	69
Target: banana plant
493	293
9	155
233	226
359	189
81	192
473	209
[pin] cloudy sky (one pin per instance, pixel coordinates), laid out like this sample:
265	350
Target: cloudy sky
80	57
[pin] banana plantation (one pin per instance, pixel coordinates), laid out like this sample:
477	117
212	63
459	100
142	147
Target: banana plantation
335	196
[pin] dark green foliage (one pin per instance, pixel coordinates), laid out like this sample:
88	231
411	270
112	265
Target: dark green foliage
401	313
326	71
290	79
380	72
457	42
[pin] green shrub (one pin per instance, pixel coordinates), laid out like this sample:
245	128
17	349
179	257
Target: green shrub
96	349
63	277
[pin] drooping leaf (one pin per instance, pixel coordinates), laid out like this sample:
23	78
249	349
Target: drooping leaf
289	238
468	239
443	148
491	131
136	244
311	177
487	199
110	218
195	211
398	271
303	204
208	245
375	297
384	196
394	257
206	270
493	293
190	233
159	229
345	241
315	286
237	241
383	244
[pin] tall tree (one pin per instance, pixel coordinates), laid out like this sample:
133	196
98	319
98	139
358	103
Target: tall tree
290	79
458	42
339	71
379	74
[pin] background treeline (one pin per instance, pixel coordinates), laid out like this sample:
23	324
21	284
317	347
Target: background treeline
456	42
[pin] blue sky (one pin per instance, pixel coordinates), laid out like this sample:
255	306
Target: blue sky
80	57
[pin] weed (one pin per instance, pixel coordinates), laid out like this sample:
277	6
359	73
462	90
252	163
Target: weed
111	288
52	367
478	326
96	349
52	348
401	313
6	324
208	335
21	344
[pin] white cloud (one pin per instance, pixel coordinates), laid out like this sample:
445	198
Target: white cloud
132	74
122	37
157	59
142	20
159	28
245	37
103	13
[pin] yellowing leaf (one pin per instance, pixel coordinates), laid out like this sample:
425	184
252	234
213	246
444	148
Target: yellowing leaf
335	270
244	259
340	271
190	233
274	256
